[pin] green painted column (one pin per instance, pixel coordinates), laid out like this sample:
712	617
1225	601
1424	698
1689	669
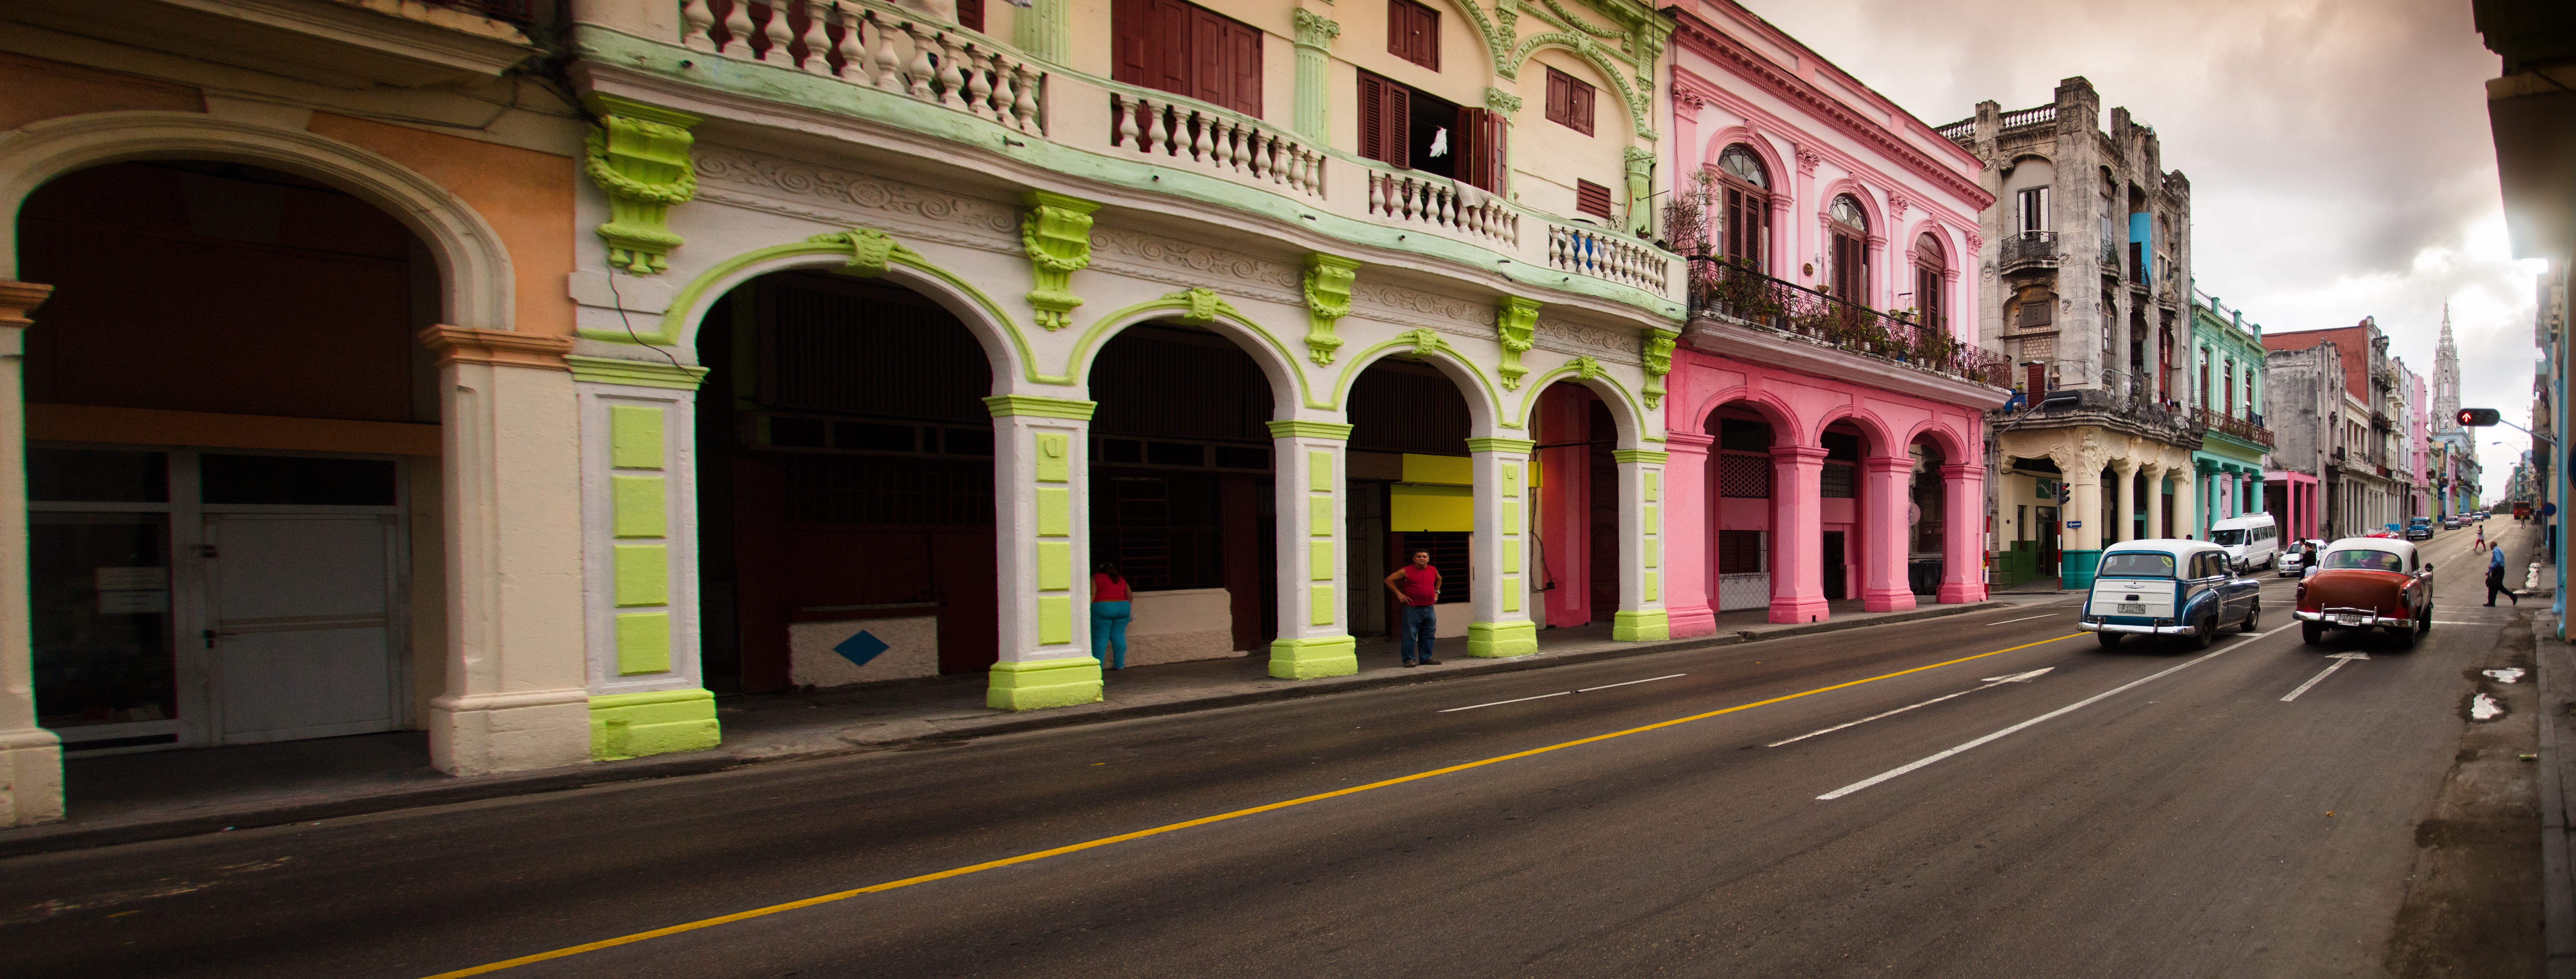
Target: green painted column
1045	30
647	696
1042	531
1314	553
1315	34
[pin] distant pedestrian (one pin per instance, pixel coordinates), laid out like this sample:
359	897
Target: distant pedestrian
2482	540
1110	613
1417	585
2495	578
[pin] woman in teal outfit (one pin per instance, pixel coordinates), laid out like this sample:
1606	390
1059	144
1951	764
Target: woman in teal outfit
1109	615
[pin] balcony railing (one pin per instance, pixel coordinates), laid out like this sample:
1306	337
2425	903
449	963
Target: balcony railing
1721	289
2246	429
2028	249
2040	116
884	48
2111	252
897	52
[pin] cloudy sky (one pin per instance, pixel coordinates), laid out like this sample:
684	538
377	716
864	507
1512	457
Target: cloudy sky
2338	152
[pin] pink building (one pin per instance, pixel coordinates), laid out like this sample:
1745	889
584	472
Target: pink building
1827	401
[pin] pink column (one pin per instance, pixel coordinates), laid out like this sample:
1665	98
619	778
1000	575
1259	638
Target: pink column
1688	602
1797	534
1883	587
1963	546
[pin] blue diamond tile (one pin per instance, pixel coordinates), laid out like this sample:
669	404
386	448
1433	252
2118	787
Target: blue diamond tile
861	648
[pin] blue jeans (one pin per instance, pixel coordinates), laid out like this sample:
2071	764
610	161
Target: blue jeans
1109	633
1421	622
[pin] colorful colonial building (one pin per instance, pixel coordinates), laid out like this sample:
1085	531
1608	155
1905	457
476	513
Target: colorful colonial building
526	373
1826	401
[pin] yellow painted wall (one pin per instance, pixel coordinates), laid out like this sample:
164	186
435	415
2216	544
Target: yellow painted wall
1547	157
1418	507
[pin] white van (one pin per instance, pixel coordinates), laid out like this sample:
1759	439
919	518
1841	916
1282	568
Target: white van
2251	541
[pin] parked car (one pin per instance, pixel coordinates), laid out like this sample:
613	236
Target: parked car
2451	523
2420	528
2252	541
2169	588
2367	583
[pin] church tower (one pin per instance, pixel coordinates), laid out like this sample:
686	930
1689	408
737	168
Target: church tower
2446	378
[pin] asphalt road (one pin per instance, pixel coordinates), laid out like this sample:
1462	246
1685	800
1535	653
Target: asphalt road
2148	811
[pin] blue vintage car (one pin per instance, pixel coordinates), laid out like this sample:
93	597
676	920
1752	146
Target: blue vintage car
2169	588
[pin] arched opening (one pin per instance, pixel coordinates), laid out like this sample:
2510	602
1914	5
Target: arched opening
845	487
1928	518
1412	487
1577	482
1842	511
1740	511
1744	207
1848	225
233	464
1182	496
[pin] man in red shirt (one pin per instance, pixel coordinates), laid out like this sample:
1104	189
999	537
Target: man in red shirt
1417	585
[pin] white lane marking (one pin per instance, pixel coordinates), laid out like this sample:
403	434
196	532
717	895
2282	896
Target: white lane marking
2339	660
2060	712
1607	686
1499	703
1991	682
2011	621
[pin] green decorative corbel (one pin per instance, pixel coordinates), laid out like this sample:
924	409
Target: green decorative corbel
1203	306
1057	234
1497	100
1586	368
871	250
639	154
1424	340
1659	362
1515	321
1641	175
1328	299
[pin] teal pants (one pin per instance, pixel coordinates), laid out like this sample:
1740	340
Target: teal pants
1109	634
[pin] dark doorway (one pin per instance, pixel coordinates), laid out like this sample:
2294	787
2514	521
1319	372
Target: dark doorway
1603	434
1833	554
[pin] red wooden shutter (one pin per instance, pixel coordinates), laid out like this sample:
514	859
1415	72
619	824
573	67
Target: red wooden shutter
1413	33
1386	121
1466	146
1495	149
1579	99
1167	47
1372	116
1242	63
1131	32
1209	81
2038	380
1559	90
1591	198
1847	271
970	14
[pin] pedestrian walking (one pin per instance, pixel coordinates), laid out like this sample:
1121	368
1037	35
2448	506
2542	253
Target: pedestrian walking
2495	578
1417	585
2482	541
1110	613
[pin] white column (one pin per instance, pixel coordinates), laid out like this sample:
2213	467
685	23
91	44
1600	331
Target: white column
1314	551
1641	615
2155	475
31	758
640	559
1498	551
2124	525
517	696
1042	539
2185	504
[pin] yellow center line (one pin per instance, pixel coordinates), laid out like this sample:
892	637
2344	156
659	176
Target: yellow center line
1186	824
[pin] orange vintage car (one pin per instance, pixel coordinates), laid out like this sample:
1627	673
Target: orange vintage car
2367	583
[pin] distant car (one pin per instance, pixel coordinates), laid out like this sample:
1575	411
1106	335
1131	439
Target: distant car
2390	534
2450	523
2169	588
2367	583
2419	529
2251	541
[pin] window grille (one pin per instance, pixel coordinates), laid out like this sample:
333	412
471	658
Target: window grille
1744	476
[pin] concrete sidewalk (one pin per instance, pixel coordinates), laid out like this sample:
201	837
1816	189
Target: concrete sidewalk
125	798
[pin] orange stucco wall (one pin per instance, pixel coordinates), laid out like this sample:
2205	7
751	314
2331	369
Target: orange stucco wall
526	195
33	89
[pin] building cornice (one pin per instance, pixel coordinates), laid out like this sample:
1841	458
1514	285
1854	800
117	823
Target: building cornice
1705	39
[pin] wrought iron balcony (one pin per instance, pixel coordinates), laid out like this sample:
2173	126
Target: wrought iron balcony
1723	290
2029	249
2246	429
2111	253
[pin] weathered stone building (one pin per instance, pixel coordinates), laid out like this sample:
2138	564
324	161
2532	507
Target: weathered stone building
2088	252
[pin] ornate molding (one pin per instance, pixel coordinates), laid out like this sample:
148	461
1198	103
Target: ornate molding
1315	30
496	348
1057	235
1201	306
1581	340
1659	362
17	299
1514	323
938	216
871	250
1807	160
1152	255
639	155
1328	299
1501	101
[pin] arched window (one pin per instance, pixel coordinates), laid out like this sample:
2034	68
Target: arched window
1929	262
1744	205
1850	226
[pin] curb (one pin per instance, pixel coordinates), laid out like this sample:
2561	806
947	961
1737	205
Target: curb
70	836
2557	880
